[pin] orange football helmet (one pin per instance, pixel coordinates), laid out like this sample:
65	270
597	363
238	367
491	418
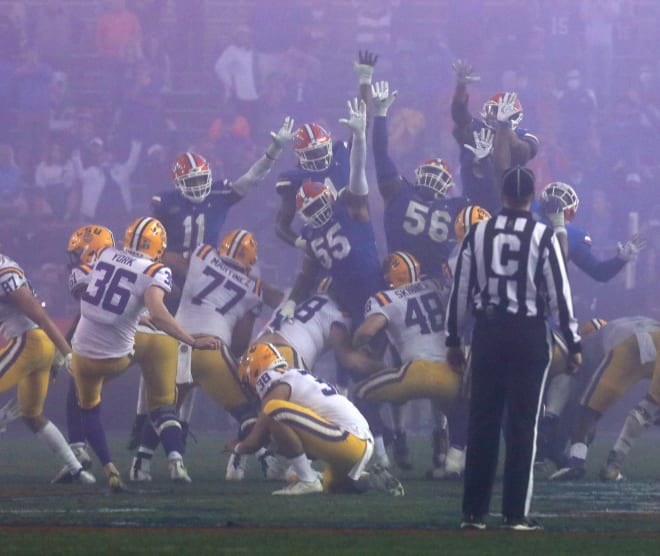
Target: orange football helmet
489	112
314	202
146	236
256	361
192	176
467	218
87	242
400	269
313	147
240	246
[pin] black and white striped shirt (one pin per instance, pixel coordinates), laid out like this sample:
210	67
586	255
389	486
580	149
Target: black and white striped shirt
511	264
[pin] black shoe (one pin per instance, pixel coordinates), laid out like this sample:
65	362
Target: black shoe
401	452
522	524
136	431
473	523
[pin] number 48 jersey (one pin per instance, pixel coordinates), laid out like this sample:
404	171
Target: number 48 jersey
415	317
216	295
111	305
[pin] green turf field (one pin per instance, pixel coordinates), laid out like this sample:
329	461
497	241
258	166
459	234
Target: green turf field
212	516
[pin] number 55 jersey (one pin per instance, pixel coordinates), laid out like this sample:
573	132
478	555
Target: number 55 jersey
111	305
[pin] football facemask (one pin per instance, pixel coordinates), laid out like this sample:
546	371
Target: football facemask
313	147
314	202
435	176
192	177
563	193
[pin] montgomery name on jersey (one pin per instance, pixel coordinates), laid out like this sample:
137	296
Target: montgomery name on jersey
216	294
114	297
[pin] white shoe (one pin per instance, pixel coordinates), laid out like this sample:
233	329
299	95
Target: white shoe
379	478
455	462
300	487
178	472
274	468
82	455
236	468
84	478
381	459
67	477
139	472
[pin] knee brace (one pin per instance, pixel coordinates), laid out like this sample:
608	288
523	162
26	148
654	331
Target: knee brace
647	412
164	417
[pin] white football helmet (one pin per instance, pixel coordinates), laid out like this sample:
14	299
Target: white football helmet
563	193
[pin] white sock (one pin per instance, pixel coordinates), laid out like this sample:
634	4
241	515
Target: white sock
379	446
303	469
54	439
174	455
630	431
559	392
579	451
187	404
142	406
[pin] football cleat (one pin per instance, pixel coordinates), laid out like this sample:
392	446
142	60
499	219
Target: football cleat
65	476
574	471
300	487
236	468
522	524
611	472
274	468
82	455
380	479
401	452
115	484
139	471
178	472
473	523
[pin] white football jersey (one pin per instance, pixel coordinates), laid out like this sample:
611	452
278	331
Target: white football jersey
415	319
216	295
13	321
309	330
111	305
320	397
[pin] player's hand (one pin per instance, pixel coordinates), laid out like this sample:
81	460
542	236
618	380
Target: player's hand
553	209
463	71
574	363
8	413
629	250
207	342
284	314
506	107
284	135
357	116
60	363
456	359
146	321
230	445
301	244
383	99
483	143
364	67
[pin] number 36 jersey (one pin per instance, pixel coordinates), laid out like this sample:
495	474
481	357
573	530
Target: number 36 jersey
216	295
415	319
111	305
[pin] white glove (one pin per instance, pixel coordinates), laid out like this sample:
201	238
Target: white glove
463	72
483	141
8	413
301	243
357	116
60	363
364	67
383	99
506	107
629	250
284	314
283	136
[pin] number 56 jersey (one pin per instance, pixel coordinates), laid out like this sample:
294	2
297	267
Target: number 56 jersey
415	319
111	305
216	295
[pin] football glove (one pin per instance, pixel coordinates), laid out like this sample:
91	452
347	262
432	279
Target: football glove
383	99
506	108
463	72
629	250
60	363
357	116
8	413
284	135
364	67
301	243
553	209
483	143
284	314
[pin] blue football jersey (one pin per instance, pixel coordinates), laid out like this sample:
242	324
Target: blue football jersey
346	249
422	227
191	224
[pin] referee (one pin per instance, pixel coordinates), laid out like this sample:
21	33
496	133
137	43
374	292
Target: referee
510	272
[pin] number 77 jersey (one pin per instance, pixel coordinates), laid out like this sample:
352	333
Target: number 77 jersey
415	319
216	294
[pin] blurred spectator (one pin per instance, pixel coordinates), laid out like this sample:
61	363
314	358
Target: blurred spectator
62	109
156	57
11	182
577	112
237	69
54	177
190	28
562	26
374	24
52	32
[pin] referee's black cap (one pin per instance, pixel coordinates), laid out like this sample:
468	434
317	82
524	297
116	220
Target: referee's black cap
518	183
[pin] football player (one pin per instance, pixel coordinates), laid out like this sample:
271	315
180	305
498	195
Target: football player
411	313
308	418
84	246
491	144
220	298
34	345
122	283
418	217
617	355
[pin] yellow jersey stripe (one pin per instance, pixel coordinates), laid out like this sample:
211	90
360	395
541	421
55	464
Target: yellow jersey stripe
151	270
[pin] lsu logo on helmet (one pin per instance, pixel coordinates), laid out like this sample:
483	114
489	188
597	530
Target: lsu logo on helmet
192	176
400	269
146	236
259	359
87	242
240	246
313	147
467	218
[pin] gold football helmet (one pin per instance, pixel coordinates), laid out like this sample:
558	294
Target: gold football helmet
591	326
467	218
147	237
400	268
257	360
87	242
240	246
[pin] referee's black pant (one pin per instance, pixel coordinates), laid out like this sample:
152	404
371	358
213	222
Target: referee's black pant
510	360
